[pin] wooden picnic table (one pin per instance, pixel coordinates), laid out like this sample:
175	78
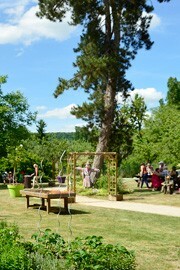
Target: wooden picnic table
48	195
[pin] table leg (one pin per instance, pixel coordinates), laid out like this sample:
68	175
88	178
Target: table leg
48	205
42	202
66	204
27	200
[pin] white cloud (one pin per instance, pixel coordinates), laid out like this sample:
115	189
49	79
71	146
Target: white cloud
22	26
151	96
41	108
155	22
61	113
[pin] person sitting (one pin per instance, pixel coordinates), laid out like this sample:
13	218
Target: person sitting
156	179
161	165
174	177
164	172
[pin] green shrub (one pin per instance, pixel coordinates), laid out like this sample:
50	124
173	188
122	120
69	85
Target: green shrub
13	255
48	250
102	182
91	253
49	243
42	262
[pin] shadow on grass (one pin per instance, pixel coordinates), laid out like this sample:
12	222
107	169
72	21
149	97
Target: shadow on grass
141	194
3	217
147	191
61	211
3	186
134	199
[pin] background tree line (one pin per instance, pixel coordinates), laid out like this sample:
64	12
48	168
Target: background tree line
138	136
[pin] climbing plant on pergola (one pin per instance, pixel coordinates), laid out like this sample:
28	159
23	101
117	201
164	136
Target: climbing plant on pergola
110	157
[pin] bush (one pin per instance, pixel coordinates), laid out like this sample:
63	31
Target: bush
13	255
91	253
50	251
102	182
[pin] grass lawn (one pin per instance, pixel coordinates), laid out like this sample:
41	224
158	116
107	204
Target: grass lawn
155	239
148	196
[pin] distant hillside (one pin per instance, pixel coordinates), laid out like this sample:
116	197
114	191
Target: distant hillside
63	135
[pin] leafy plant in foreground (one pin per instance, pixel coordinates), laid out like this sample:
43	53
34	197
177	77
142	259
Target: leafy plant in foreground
50	251
13	255
91	253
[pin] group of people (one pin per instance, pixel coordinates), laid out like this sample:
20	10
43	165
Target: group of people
8	178
158	176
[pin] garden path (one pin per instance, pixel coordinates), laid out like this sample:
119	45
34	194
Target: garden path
131	206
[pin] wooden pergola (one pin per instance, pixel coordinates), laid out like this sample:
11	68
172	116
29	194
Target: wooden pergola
111	158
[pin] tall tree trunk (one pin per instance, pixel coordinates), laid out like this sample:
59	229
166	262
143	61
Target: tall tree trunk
112	47
106	125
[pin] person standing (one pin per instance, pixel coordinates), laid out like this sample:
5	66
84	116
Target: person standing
35	175
10	177
149	169
144	175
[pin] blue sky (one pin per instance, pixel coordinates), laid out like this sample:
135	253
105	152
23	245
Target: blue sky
34	53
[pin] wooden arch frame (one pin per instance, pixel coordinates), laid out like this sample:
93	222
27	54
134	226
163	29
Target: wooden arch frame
111	157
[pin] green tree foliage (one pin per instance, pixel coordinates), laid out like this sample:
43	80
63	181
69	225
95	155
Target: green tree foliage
173	94
46	153
128	121
160	140
88	134
113	32
63	135
14	118
163	133
41	125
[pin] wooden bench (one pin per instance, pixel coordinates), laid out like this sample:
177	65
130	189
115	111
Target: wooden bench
48	195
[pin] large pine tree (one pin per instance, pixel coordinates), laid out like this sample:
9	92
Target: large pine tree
113	32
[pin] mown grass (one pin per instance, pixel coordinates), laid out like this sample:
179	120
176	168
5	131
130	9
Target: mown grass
136	194
154	238
148	196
